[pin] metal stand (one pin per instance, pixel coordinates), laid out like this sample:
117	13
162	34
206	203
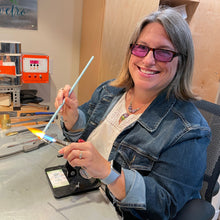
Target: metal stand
15	89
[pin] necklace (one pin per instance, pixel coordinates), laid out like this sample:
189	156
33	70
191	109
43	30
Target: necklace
131	111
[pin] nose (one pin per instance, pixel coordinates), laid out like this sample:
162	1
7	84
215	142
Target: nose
149	58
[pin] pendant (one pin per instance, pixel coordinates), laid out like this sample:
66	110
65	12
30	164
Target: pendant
123	117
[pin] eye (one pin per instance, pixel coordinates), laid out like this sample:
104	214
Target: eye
141	47
164	53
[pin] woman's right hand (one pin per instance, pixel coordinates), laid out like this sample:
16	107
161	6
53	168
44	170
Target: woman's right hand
69	110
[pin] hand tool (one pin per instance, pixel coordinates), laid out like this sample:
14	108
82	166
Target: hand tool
25	142
27	148
45	118
65	144
20	131
74	85
11	113
46	107
35	113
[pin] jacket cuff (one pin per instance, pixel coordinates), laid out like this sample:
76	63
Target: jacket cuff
135	191
76	130
80	123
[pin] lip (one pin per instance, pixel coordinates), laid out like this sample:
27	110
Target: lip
147	72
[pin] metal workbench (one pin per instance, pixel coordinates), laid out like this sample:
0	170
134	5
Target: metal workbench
25	191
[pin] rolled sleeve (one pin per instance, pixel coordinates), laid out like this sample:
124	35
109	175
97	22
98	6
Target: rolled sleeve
76	130
81	122
135	191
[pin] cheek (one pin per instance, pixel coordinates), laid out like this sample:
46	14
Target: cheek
131	68
172	68
130	63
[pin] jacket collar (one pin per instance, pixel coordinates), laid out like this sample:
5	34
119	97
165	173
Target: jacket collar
157	111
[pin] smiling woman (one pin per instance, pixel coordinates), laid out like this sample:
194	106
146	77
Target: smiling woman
150	75
145	121
180	43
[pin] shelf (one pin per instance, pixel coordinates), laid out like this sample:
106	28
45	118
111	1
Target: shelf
191	6
174	3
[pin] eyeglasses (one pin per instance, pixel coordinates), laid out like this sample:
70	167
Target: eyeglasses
161	55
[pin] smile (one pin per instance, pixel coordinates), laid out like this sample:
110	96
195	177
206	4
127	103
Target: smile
149	72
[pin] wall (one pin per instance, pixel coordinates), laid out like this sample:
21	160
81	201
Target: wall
206	32
106	29
58	35
119	23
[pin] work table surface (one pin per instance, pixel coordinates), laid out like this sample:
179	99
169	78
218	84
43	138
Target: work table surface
25	192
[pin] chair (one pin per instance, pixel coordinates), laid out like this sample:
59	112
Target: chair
201	209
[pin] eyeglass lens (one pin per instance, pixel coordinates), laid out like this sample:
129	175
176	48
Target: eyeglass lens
159	54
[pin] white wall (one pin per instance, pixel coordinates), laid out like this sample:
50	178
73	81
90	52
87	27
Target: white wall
58	35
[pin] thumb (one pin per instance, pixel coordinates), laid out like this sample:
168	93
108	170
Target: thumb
61	151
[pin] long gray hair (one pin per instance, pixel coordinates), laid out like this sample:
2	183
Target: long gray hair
180	35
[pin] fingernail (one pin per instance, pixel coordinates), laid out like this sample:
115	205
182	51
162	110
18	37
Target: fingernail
80	141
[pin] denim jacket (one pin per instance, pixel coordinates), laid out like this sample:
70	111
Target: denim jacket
163	153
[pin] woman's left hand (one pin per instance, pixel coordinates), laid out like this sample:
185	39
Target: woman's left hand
86	156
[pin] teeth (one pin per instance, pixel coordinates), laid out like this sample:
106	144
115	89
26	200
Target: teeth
147	72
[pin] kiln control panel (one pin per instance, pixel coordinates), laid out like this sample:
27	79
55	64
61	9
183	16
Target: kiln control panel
35	68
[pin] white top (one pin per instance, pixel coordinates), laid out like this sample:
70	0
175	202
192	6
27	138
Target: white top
105	134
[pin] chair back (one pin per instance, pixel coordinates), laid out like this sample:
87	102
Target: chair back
211	112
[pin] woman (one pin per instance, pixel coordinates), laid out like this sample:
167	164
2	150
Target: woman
145	122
